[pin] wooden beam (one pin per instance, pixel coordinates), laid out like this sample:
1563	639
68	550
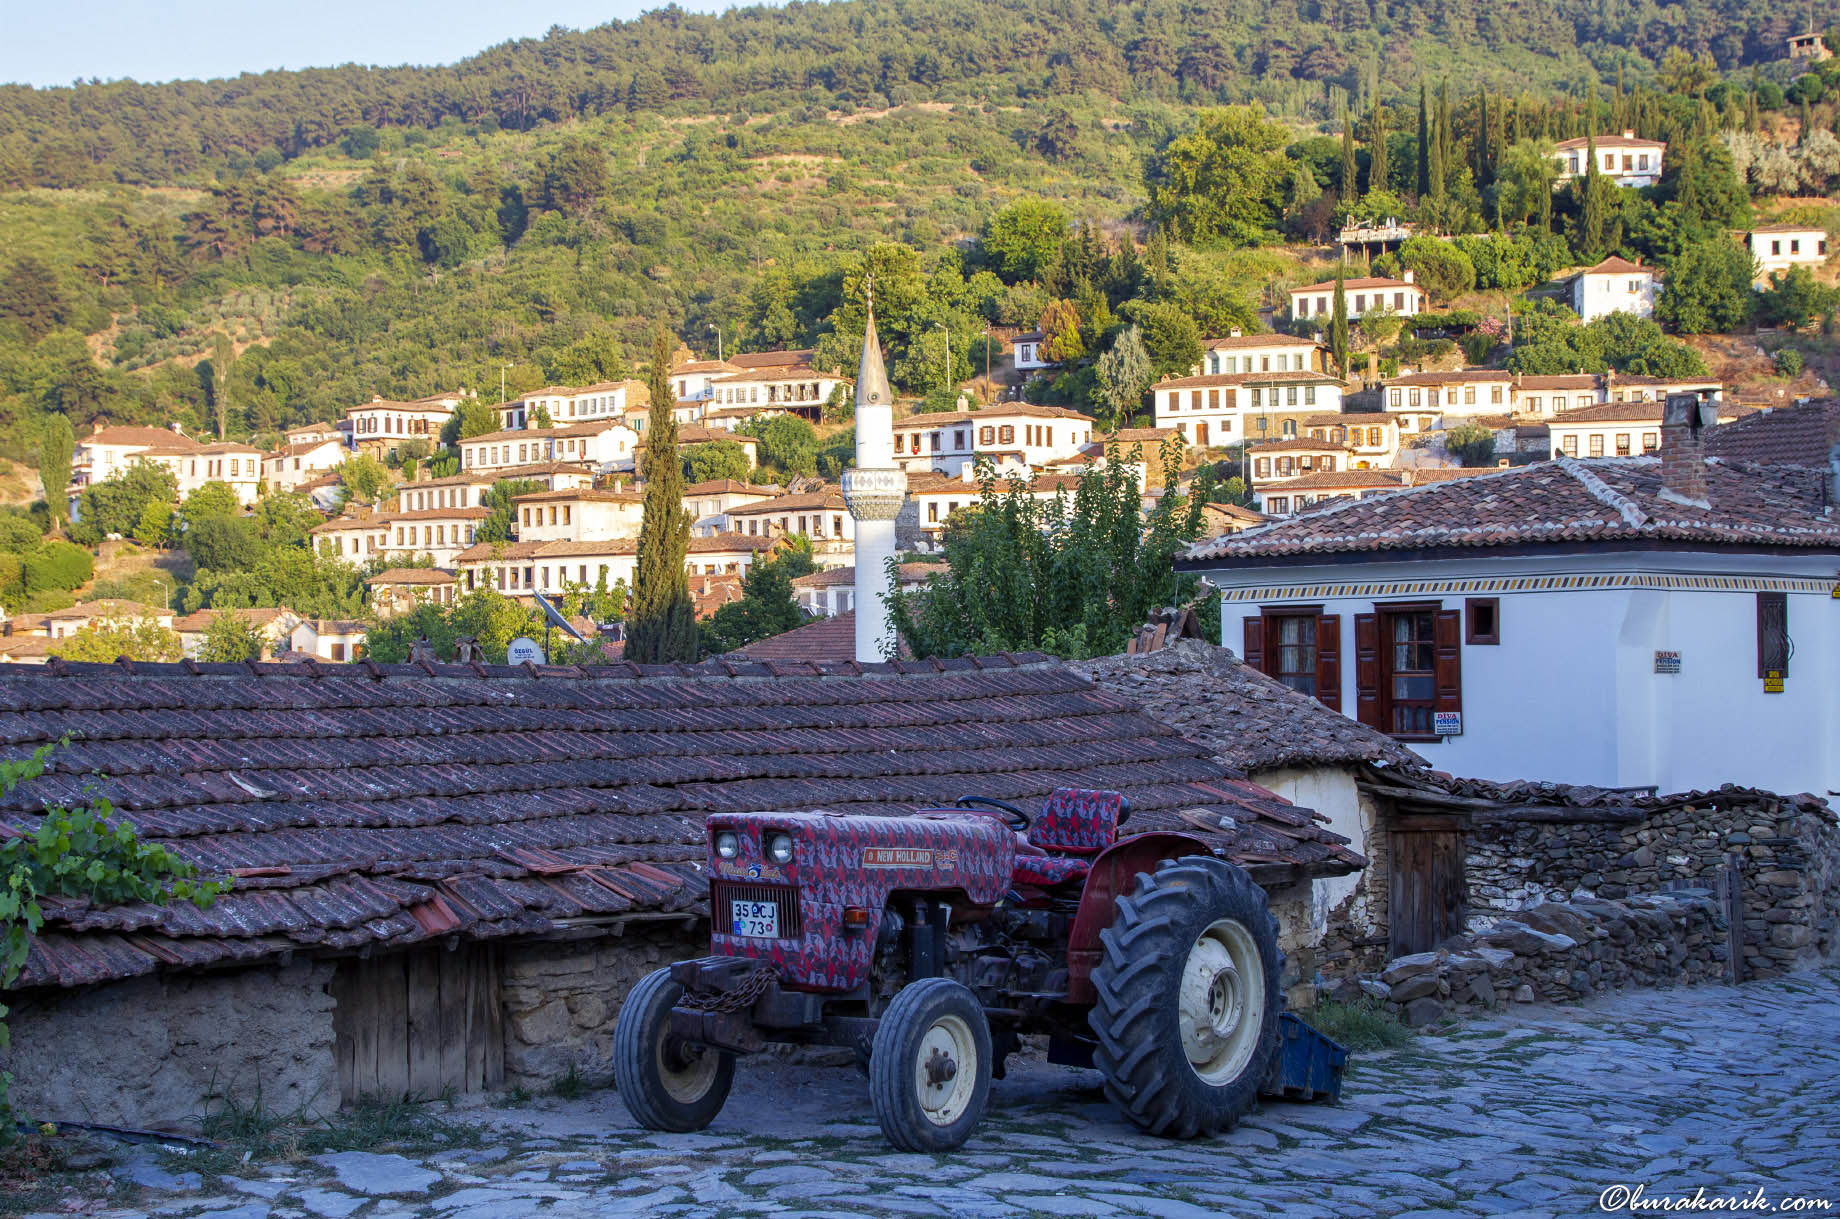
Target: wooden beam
1510	814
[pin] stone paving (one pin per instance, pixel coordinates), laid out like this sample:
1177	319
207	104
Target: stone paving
1531	1112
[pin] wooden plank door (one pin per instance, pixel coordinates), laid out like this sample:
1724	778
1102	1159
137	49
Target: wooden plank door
1426	884
418	1024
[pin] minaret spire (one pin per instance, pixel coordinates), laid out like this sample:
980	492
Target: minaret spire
875	489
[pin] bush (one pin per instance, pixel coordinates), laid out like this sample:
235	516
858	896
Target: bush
58	566
1788	363
224	543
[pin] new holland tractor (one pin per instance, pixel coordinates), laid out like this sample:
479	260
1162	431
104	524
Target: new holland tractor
931	942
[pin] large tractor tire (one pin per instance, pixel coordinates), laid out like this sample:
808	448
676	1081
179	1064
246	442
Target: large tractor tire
1188	1000
666	1083
929	1072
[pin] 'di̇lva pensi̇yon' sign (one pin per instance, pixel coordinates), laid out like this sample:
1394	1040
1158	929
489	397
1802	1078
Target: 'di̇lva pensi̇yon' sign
1667	662
1447	723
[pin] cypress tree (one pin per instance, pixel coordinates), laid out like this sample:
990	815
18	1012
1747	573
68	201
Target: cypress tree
1338	324
1440	151
1481	164
1376	164
1350	190
661	620
1424	144
1807	122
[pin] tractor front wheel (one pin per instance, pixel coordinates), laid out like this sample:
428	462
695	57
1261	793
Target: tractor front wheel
667	1083
1188	1002
929	1072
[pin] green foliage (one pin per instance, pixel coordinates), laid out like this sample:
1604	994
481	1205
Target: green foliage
1223	181
1788	362
318	586
766	606
489	618
113	636
1708	288
1471	443
1122	377
56	448
1794	298
224	543
364	478
1338	323
501	500
787	445
1443	269
473	418
115	505
231	637
85	853
662	623
1070	575
1549	342
716	459
1364	1024
1021	241
1169	334
211	501
59	566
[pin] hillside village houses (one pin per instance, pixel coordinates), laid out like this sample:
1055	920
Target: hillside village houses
1777	247
110	450
1423	401
1365	294
1228	408
1029	351
708	503
1660	620
1010	435
381	426
1372	439
569	404
298	463
1614	285
603	445
522	567
1626	160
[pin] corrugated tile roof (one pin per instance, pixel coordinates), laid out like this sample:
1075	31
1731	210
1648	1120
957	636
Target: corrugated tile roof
367	805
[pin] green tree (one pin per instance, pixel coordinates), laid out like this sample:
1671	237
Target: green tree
1794	298
662	621
1708	288
223	357
1471	443
785	443
1060	332
210	500
1441	267
31	299
1069	575
1524	182
1424	143
56	449
57	566
1350	180
1224	180
230	638
1170	336
1377	168
576	175
766	606
1024	238
473	418
1338	323
223	543
716	459
105	639
364	478
1122	377
115	505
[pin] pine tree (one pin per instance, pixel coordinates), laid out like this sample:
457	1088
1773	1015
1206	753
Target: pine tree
1350	191
1376	163
1338	325
662	620
1424	144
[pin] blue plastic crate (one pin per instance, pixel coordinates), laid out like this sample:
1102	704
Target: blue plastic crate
1308	1066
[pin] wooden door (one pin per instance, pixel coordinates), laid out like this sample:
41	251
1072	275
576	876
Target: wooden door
417	1024
1425	883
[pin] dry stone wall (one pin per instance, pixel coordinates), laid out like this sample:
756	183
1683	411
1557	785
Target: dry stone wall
560	1000
1787	847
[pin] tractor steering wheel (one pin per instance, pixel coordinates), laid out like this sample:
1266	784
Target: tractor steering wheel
1018	820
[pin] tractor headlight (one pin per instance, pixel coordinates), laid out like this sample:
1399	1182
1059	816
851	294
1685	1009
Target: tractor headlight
779	848
727	845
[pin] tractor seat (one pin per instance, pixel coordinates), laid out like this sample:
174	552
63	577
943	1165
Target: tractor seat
1074	822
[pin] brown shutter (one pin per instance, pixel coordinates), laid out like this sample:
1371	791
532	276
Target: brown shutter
1367	670
1254	654
1329	661
1449	665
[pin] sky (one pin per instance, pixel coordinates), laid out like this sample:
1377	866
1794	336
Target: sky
53	42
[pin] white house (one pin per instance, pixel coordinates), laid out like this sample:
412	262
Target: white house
708	503
820	515
1661	620
1626	160
110	450
549	567
1365	294
1617	429
605	445
1417	401
1027	351
1010	435
276	625
336	639
302	461
1237	352
1302	491
566	404
1278	460
582	514
1777	247
1372	439
381	424
1226	408
1614	285
796	388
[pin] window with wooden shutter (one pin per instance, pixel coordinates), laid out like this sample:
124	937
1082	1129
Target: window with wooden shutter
1367	670
1299	647
1329	661
1773	645
1254	652
1408	667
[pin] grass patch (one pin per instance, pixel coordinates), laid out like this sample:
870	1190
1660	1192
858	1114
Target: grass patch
1362	1024
571	1086
249	1132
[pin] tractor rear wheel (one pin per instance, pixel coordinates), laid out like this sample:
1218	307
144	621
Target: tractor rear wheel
667	1083
1188	1000
929	1073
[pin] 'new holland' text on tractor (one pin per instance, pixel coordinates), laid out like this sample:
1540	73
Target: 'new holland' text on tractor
930	942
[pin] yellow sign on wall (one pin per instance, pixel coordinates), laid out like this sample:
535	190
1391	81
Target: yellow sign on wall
1773	682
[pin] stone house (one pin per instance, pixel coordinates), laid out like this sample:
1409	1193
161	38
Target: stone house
446	876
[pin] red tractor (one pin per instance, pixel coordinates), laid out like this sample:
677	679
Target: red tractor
931	942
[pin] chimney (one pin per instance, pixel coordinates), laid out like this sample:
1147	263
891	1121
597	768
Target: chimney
1683	448
1233	333
1629	135
1411	275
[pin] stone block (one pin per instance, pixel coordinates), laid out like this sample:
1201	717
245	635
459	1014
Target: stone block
1523	993
1410	966
1418	986
1420	1012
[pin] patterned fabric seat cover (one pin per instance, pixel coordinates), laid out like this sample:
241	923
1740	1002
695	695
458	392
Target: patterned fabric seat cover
1048	870
1073	822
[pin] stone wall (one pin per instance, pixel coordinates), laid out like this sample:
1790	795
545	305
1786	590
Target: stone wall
560	999
152	1052
1788	848
1558	952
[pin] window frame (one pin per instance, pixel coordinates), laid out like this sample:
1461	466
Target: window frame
1773	606
1474	634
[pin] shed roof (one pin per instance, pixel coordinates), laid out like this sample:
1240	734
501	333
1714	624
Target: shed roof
365	806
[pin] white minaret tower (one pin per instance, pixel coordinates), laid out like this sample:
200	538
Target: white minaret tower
875	490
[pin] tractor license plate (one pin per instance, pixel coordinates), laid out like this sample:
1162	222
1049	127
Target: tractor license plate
757	919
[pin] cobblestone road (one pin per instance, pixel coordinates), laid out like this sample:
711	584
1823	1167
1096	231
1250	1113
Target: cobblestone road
1534	1112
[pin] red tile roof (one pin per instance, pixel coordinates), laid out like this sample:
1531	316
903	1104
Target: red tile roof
1250	378
1639	411
1561	501
151	437
1235	341
1796	436
1617	266
827	641
366	804
1362	283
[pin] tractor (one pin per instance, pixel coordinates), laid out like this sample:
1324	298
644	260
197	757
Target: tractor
931	942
